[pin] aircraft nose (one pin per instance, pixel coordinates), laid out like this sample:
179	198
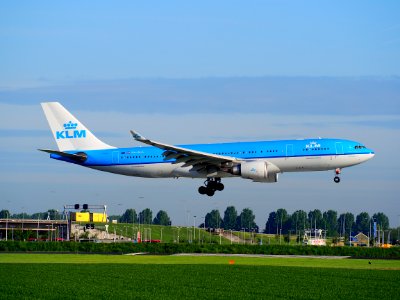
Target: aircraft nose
370	155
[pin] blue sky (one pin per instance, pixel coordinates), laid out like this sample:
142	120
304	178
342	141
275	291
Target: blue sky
75	40
184	72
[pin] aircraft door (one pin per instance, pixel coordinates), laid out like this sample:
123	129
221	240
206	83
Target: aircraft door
289	150
115	157
339	148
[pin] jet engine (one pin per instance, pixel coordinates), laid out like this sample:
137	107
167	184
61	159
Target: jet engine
257	170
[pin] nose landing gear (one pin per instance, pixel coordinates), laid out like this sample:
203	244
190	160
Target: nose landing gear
211	185
337	178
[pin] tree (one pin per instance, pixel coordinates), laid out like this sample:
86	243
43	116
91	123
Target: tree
330	219
213	219
282	218
230	217
53	214
162	218
4	214
298	220
39	215
362	223
271	225
315	219
114	217
246	220
129	216
382	220
345	223
146	216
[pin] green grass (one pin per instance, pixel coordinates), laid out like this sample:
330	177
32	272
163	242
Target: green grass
84	276
22	258
169	233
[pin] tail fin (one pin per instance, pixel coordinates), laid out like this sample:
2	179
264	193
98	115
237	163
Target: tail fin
69	133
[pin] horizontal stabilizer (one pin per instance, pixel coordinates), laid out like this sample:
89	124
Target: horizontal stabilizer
78	157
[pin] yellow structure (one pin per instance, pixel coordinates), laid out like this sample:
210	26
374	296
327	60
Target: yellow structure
98	217
88	217
80	216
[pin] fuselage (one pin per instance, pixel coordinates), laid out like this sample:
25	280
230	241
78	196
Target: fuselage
287	155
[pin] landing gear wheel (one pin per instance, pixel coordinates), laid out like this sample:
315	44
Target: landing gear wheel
202	190
337	173
219	186
210	192
211	185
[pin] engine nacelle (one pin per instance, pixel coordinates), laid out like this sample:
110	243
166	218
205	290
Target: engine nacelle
259	171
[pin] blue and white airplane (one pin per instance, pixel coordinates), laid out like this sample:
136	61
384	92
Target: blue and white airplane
259	161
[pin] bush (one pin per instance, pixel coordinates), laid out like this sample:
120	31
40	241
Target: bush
169	248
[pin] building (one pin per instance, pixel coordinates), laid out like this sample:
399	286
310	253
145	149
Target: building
360	240
30	229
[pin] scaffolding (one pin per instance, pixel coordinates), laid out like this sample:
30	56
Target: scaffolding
314	237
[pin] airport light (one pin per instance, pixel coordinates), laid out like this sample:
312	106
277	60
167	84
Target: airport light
398	229
23	218
194	228
37	231
161	235
204	228
8	215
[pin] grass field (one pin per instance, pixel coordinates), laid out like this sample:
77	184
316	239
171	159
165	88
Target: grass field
52	276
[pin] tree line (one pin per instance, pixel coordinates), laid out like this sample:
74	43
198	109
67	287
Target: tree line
281	222
278	222
343	225
144	217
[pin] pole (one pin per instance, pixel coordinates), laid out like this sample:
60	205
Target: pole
37	231
7	226
194	228
398	229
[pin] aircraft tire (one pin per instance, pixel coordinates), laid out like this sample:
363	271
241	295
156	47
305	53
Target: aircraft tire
210	192
202	190
336	179
211	185
219	186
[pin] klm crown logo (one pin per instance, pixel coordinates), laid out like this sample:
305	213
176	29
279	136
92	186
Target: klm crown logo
70	125
70	132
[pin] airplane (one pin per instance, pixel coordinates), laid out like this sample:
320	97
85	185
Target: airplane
260	161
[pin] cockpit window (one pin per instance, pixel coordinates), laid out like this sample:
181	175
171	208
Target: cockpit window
360	147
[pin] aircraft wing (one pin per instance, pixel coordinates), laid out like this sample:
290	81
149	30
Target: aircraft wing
199	160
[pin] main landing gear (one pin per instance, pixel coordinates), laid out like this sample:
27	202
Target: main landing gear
210	186
337	178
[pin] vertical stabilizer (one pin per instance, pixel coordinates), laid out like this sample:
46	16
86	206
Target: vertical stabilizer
69	133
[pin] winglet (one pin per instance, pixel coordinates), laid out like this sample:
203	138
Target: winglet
137	136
